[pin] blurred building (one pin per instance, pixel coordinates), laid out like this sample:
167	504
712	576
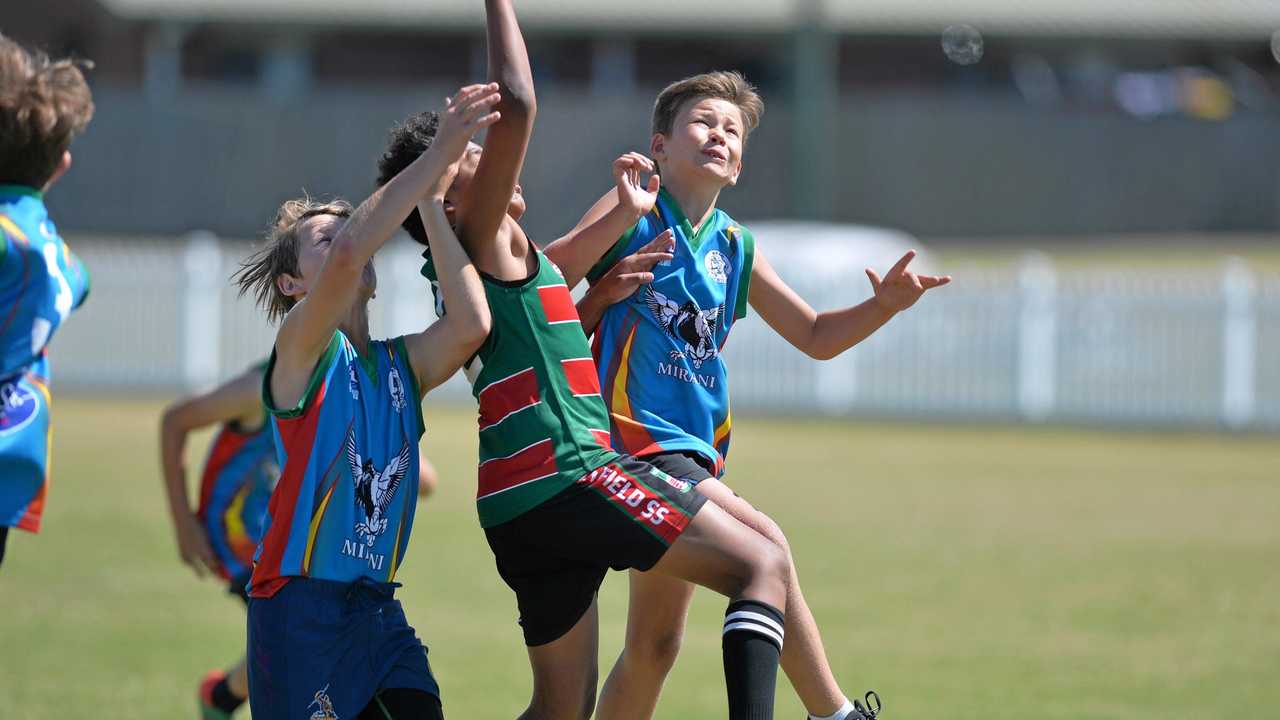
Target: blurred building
1080	117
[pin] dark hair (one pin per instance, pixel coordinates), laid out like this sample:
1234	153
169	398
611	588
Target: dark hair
729	85
279	254
407	141
44	104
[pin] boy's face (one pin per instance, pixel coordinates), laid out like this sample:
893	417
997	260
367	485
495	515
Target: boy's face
457	196
705	142
315	235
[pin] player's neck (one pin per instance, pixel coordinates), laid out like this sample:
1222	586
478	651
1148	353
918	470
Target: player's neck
696	200
356	327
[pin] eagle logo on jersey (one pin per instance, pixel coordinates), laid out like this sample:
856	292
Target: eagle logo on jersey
325	704
396	386
687	322
374	489
18	407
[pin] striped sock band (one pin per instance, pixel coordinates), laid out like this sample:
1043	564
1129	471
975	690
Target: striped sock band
756	617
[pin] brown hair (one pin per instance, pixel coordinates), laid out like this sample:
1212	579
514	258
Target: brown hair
721	85
44	104
279	254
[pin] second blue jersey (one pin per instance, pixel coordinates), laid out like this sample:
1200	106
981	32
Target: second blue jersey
658	351
348	453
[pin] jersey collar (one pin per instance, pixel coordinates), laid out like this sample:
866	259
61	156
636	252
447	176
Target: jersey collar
681	221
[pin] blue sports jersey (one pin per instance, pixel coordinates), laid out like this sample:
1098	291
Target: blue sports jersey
41	282
348	454
236	485
658	351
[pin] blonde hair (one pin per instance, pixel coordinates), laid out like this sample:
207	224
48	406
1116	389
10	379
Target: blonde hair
44	104
279	253
728	85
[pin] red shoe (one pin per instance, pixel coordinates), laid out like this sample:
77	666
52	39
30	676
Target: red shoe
209	711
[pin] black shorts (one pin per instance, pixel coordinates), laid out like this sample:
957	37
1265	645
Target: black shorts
683	464
622	515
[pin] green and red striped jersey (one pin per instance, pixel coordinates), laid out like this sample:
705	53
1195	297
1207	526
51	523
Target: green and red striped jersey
543	424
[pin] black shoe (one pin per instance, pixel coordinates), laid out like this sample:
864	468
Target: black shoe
867	712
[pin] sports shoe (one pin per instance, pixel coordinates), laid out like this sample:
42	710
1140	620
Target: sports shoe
867	712
209	711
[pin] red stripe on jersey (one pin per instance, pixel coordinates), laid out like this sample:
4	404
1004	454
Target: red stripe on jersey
534	462
511	394
225	447
604	438
298	435
582	377
557	303
642	503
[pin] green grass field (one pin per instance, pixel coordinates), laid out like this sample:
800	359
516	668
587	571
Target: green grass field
963	572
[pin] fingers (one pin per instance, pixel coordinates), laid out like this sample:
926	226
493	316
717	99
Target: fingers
933	281
488	120
636	278
470	92
477	107
875	280
631	165
655	182
664	243
901	265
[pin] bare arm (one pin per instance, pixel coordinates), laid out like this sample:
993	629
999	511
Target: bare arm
623	278
438	352
307	329
613	215
505	146
825	335
237	400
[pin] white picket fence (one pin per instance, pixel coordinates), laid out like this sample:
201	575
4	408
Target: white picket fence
1037	343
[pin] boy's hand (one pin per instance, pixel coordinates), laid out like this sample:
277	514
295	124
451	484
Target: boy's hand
634	270
900	289
633	196
193	544
463	116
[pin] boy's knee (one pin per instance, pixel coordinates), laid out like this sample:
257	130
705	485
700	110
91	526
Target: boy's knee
657	652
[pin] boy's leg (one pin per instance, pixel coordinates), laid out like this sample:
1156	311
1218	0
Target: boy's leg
4	537
564	672
656	615
803	657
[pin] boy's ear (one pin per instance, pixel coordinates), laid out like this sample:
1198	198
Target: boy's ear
64	164
658	147
289	285
736	172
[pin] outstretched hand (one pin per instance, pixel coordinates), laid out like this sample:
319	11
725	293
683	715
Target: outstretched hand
193	545
634	270
900	288
634	195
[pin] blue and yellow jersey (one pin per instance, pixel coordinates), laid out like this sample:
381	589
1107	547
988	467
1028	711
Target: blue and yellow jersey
41	281
235	487
658	351
348	455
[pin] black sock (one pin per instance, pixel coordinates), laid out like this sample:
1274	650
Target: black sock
224	699
752	644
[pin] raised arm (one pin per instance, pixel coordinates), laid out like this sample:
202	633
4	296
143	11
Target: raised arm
823	336
608	220
308	327
623	278
504	149
240	400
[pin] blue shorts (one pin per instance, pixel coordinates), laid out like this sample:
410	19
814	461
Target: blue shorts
321	649
24	447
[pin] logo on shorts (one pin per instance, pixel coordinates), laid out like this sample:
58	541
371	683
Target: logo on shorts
18	407
688	323
325	704
353	383
375	489
683	486
397	389
717	266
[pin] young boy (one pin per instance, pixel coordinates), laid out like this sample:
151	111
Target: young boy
223	532
44	105
558	505
326	638
658	353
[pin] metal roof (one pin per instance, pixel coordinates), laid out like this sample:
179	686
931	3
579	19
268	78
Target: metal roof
1238	19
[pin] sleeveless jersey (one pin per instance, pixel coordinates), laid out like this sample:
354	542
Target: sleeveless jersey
543	424
658	351
348	454
237	482
41	281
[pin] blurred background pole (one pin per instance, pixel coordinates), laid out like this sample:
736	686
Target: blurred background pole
815	87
